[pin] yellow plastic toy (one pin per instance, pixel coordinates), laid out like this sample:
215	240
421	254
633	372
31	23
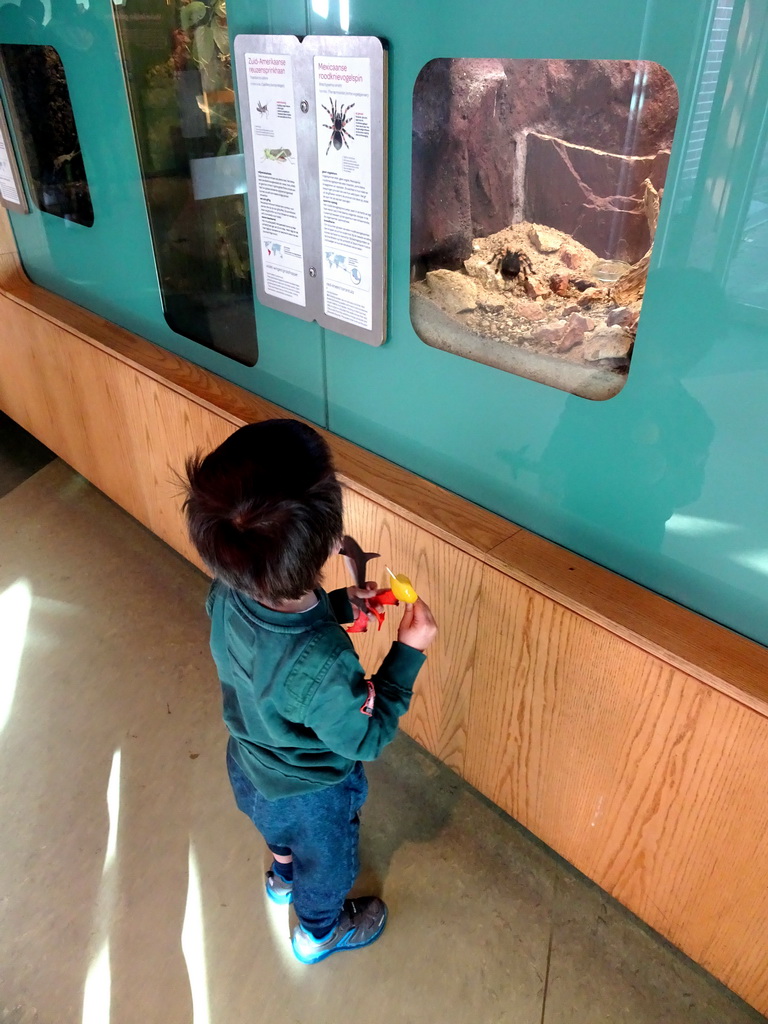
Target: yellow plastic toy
402	588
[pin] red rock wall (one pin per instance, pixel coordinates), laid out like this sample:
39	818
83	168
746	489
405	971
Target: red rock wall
594	196
469	114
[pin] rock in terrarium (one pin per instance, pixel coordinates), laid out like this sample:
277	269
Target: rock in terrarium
517	289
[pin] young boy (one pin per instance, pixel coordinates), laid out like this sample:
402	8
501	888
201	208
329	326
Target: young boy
264	511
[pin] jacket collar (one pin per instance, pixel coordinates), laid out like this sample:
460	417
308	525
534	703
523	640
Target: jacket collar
291	622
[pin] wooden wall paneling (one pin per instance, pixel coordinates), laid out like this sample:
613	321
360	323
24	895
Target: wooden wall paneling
638	774
7	241
166	428
223	399
714	654
442	514
36	387
72	397
123	430
100	405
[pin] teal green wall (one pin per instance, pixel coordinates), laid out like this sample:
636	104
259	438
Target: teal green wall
110	267
668	482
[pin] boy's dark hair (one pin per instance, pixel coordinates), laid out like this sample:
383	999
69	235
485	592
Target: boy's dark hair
264	509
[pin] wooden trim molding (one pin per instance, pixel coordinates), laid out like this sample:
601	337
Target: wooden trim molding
722	659
627	732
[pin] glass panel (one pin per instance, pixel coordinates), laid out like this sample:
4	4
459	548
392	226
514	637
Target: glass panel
46	131
179	79
744	284
536	192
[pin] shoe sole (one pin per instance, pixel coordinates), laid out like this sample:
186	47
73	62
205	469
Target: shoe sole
341	949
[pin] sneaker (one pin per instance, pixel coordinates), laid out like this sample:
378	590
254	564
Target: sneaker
361	923
278	890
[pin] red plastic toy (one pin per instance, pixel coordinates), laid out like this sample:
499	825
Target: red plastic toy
356	560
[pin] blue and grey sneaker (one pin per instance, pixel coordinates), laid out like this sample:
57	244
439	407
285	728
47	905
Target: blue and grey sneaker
278	890
361	923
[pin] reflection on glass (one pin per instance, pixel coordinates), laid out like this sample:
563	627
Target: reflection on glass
747	279
536	192
46	131
180	87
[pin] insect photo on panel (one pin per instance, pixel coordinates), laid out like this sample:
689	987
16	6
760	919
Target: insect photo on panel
338	127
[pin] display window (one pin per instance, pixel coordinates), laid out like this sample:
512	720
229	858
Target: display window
179	80
46	131
537	186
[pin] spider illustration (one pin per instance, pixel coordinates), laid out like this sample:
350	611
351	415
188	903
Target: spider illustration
512	264
338	127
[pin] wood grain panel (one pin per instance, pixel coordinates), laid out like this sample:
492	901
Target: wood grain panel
166	428
635	772
449	581
723	659
76	407
7	242
122	431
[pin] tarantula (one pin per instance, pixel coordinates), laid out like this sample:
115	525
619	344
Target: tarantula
338	127
512	264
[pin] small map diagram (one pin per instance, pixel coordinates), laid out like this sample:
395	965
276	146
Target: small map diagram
341	266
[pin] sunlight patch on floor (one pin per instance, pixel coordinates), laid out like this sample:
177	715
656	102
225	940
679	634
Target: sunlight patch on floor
98	989
98	983
15	605
193	944
113	809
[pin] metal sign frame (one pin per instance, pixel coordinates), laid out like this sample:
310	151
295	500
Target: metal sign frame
321	283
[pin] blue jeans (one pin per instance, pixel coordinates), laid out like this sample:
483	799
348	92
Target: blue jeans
321	830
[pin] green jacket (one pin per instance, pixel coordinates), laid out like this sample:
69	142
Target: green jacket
296	701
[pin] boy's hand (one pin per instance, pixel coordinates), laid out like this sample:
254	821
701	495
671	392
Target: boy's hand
368	594
418	628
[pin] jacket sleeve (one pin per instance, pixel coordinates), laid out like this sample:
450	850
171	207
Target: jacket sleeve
355	717
341	606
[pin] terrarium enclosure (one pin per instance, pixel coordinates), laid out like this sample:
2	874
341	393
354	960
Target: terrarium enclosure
46	131
179	79
536	194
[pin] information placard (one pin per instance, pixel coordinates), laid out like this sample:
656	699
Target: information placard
343	115
275	157
314	110
11	192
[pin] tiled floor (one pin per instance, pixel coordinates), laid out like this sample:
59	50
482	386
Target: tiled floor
131	887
